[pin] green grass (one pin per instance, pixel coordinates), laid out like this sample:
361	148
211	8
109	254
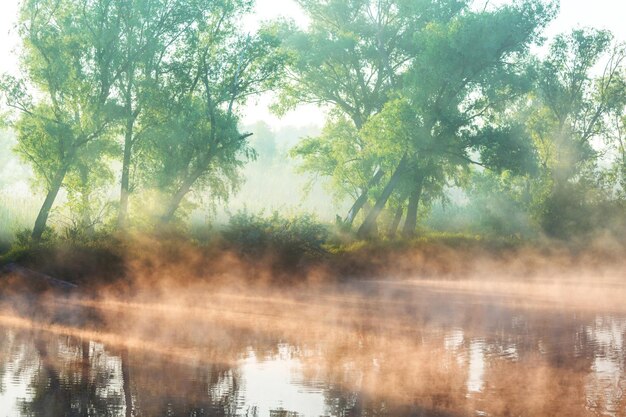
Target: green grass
16	214
427	238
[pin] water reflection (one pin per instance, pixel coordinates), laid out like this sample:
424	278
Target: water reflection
606	382
428	351
476	368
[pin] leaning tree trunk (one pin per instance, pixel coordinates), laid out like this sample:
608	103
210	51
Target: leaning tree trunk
178	196
360	202
393	227
189	181
368	227
44	211
411	213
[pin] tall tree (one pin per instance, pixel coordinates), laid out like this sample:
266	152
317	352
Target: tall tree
150	33
66	57
467	70
194	140
351	58
615	138
572	110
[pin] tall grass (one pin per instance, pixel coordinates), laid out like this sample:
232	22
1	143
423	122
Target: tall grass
16	213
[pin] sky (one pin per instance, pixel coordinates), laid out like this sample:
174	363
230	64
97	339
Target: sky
601	14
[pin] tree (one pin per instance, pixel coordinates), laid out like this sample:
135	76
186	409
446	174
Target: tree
194	139
451	68
66	61
615	138
87	182
338	153
468	69
573	109
351	58
151	31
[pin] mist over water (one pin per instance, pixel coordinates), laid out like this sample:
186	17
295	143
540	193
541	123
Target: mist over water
485	345
312	208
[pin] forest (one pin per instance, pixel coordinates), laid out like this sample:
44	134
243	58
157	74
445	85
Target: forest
445	121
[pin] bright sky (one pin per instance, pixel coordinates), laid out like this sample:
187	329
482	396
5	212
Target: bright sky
602	14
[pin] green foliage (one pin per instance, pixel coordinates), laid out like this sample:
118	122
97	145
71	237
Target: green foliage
507	147
289	240
427	100
352	57
337	153
421	93
581	210
63	96
573	111
497	205
191	126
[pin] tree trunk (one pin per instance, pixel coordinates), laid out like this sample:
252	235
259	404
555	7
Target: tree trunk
122	219
175	201
44	211
411	213
358	204
393	227
368	227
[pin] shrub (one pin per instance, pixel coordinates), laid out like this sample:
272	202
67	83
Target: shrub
288	240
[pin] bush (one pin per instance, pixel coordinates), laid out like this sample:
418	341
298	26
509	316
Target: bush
288	240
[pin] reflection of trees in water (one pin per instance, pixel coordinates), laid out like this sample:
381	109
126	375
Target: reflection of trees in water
532	362
168	388
606	384
544	362
67	383
417	380
14	351
73	378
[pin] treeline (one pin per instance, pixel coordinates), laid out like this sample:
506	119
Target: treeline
152	86
427	94
422	96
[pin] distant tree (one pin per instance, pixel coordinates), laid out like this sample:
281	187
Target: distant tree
263	141
573	110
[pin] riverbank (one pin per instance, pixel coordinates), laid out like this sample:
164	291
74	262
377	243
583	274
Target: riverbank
140	260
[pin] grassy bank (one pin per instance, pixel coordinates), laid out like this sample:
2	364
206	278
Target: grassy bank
280	252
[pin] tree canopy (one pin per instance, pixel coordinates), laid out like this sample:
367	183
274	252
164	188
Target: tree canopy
422	97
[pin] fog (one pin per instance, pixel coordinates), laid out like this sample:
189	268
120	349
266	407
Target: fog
525	338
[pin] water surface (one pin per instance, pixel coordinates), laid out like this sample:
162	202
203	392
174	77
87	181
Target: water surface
377	348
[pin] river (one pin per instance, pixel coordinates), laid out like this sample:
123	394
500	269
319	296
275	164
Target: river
369	348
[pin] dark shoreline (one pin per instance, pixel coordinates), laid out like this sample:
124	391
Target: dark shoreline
125	264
